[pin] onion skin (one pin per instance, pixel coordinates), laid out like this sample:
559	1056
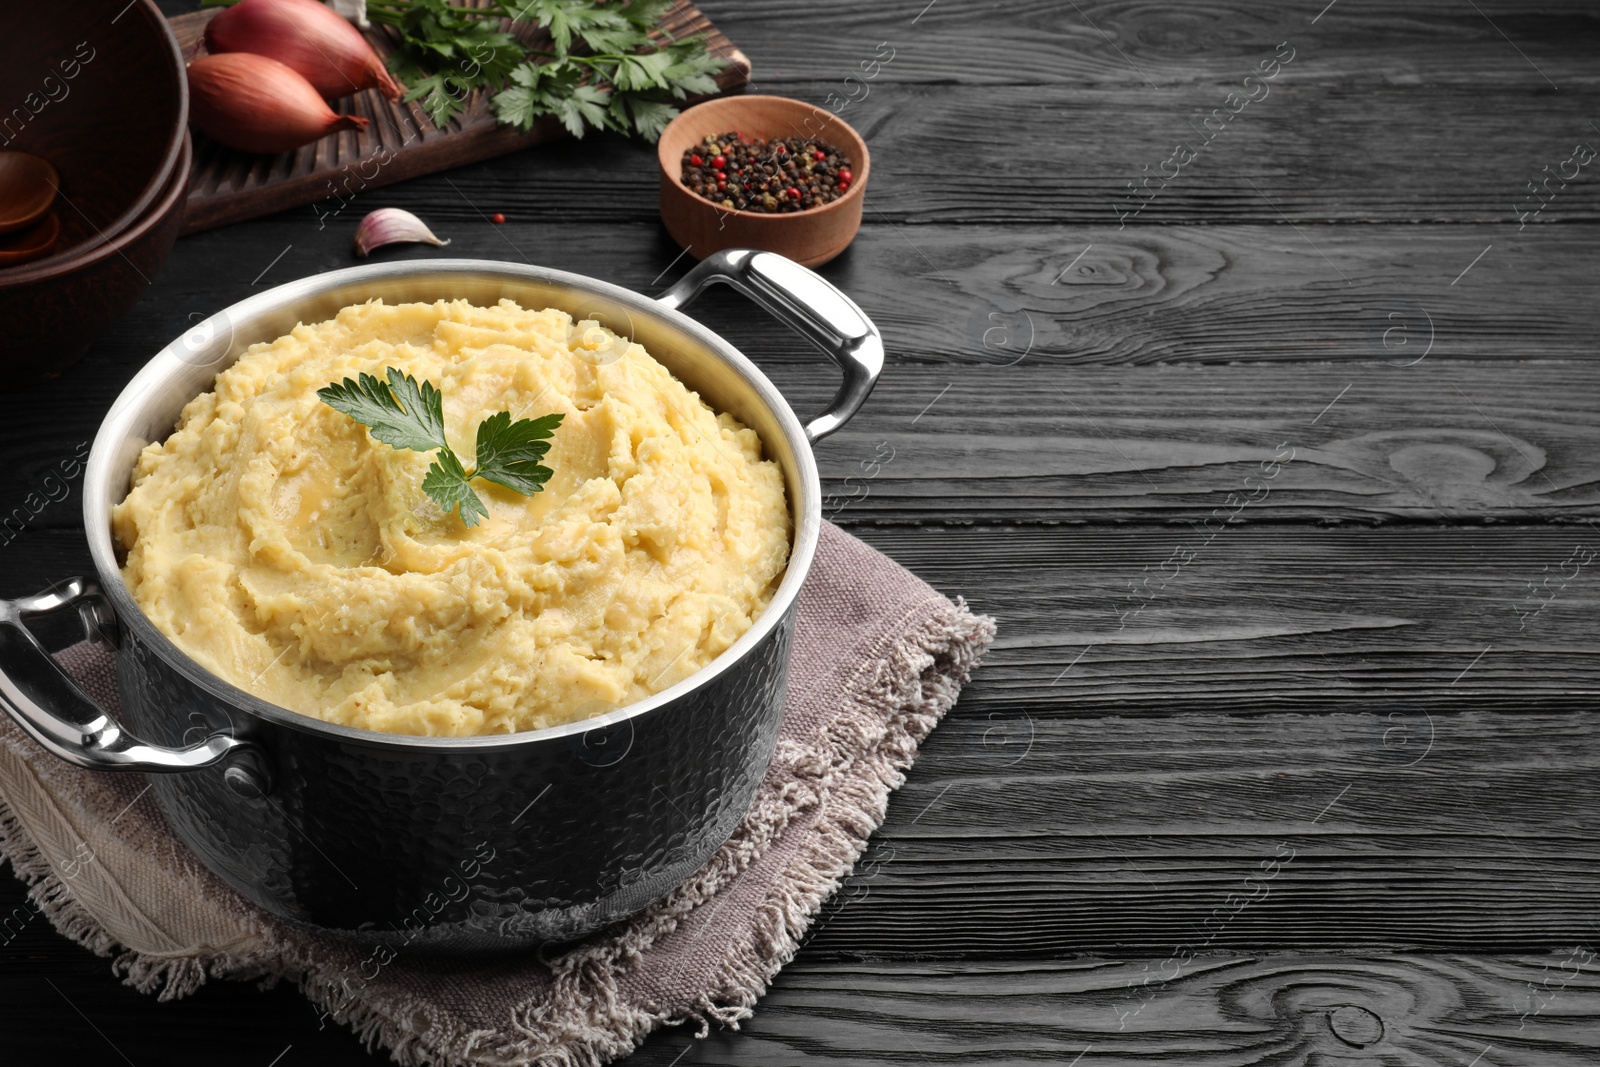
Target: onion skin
256	104
307	37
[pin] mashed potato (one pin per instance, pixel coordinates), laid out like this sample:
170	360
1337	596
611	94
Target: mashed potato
287	551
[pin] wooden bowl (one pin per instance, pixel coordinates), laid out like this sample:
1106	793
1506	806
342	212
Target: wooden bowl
36	242
27	189
97	89
53	309
701	227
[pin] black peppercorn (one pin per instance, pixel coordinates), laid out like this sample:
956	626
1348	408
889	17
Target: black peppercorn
778	176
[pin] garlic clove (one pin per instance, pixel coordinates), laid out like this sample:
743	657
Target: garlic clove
389	225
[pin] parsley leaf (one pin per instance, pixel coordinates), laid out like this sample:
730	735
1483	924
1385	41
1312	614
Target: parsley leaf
641	72
403	413
446	53
601	67
650	117
400	413
516	107
446	483
509	452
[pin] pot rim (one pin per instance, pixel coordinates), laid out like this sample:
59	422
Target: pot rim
116	427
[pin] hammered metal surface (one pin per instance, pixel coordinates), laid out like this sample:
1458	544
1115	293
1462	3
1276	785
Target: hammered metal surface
468	849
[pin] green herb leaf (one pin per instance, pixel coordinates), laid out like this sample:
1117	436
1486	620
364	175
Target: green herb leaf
617	36
641	71
400	413
509	452
693	68
447	53
606	70
585	107
446	483
646	14
650	117
516	107
403	413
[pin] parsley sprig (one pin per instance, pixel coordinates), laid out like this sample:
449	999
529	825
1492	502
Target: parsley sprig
603	71
403	413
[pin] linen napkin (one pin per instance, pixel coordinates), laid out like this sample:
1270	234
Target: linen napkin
878	657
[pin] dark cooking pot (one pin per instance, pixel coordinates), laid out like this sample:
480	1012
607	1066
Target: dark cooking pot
446	843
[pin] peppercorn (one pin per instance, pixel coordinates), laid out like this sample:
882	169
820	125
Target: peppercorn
780	175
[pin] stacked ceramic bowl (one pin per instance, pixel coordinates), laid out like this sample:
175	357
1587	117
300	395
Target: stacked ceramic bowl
94	168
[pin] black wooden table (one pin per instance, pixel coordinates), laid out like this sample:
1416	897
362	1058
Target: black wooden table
1276	458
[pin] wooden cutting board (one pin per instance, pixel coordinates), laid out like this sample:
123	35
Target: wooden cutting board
401	142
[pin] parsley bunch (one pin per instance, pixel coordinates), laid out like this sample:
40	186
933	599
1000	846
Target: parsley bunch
403	414
604	70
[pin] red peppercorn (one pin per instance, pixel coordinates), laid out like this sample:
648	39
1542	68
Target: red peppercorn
780	147
819	157
719	162
722	183
794	194
695	160
845	175
497	217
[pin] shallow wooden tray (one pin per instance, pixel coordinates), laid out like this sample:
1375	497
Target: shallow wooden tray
401	142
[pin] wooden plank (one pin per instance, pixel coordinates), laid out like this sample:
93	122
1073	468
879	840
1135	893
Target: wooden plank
1222	1011
1032	835
1216	294
1502	43
1050	439
1153	621
1224	293
1065	154
401	142
1451	442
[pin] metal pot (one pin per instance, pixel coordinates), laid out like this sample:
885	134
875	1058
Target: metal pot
453	844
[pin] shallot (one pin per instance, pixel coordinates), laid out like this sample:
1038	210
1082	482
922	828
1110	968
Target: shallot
308	37
256	104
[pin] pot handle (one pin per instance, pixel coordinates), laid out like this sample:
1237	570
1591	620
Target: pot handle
808	304
52	709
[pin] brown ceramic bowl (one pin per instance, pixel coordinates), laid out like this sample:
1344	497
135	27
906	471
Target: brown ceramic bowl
97	89
701	227
53	309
